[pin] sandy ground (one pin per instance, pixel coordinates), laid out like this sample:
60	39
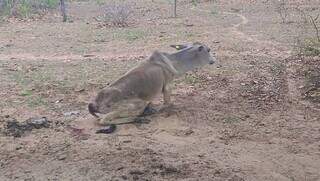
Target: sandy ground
246	120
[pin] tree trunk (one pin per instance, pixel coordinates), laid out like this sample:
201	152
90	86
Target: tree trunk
175	8
63	10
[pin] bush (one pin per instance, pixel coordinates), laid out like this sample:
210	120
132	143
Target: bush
117	15
45	4
308	32
25	8
309	47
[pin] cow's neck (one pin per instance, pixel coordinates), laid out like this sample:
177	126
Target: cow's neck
183	61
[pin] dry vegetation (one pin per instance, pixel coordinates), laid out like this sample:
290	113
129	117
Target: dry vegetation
256	116
25	9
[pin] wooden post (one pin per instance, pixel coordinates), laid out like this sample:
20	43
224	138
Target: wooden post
63	10
175	8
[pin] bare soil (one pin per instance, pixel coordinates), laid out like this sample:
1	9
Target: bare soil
254	117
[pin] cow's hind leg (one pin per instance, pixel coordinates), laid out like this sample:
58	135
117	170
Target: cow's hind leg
125	112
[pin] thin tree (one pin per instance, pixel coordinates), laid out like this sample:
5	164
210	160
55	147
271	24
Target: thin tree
63	10
175	8
314	23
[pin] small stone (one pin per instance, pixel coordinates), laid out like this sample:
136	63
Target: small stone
124	177
170	169
119	148
201	155
268	131
188	132
189	25
27	171
71	113
58	101
236	178
79	89
62	157
136	172
120	168
88	55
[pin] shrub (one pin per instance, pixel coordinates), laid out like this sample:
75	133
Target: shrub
25	8
282	8
309	47
117	15
45	4
309	43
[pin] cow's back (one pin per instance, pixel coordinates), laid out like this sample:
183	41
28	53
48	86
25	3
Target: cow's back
144	82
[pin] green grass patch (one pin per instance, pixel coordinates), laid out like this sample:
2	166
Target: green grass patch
310	47
100	2
194	2
26	93
214	11
129	35
191	79
35	101
231	120
24	9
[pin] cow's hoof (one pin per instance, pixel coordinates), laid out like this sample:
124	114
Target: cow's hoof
148	111
107	130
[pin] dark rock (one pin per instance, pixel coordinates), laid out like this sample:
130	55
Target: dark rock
124	177
120	168
88	55
188	132
38	123
17	129
136	172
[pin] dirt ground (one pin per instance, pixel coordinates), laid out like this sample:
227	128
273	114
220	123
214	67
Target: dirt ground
250	118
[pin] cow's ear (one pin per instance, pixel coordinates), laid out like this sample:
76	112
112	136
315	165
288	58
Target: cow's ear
179	47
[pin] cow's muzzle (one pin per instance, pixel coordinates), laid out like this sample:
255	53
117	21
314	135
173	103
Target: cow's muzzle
93	110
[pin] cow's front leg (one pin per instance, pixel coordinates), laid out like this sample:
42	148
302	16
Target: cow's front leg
166	96
110	118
